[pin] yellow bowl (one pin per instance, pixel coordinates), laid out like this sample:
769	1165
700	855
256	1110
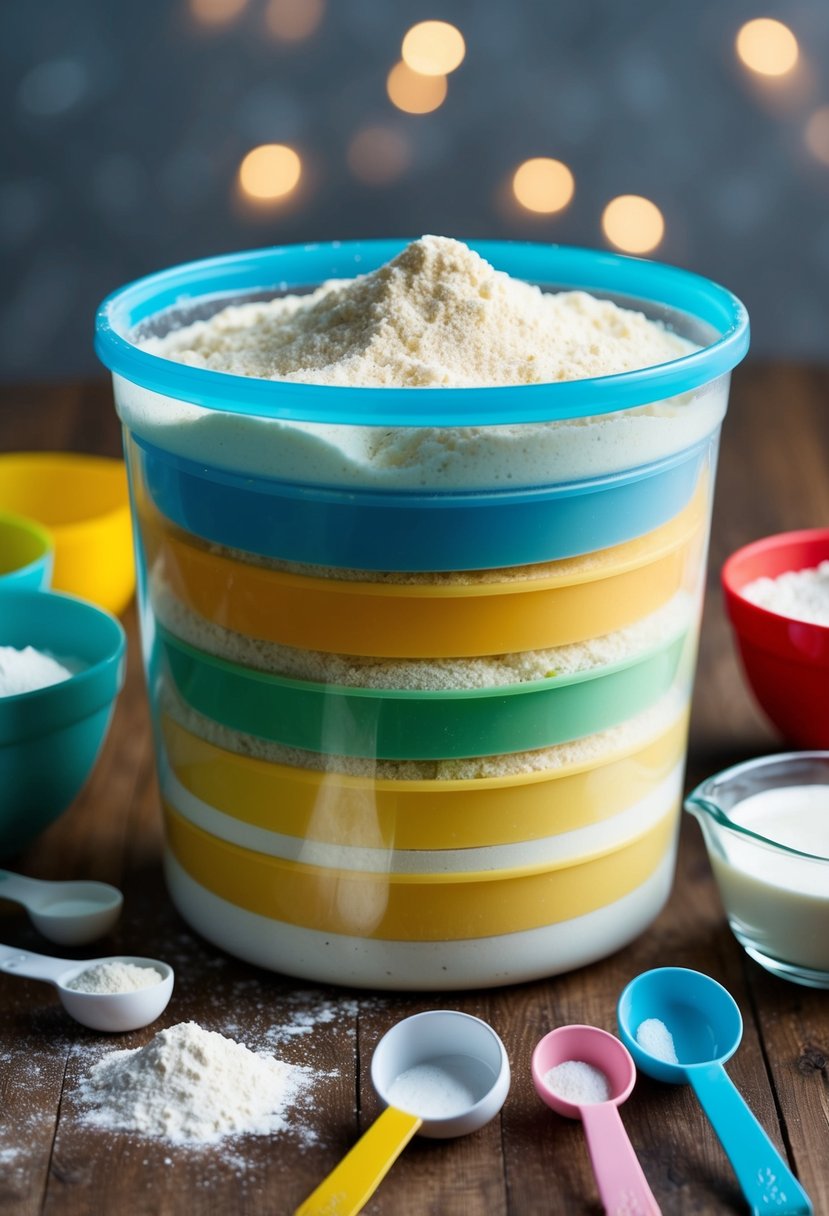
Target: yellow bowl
84	503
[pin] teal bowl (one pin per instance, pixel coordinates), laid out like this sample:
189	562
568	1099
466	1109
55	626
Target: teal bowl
26	554
50	738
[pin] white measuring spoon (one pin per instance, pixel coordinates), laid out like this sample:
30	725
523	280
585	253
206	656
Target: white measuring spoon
439	1073
68	913
112	1011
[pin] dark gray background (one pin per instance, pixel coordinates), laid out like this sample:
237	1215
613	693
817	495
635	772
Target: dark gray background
125	124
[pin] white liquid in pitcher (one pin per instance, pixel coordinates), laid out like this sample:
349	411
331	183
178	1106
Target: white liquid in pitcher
778	902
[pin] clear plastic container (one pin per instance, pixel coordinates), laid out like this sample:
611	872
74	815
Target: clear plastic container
420	660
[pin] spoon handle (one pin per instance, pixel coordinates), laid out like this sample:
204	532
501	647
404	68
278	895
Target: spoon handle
766	1181
34	966
622	1184
18	888
351	1184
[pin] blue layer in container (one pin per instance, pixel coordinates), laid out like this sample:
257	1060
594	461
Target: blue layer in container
382	530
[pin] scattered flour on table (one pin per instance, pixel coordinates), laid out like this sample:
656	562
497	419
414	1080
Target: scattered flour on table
436	315
802	595
303	1020
654	1037
578	1082
194	1086
115	977
28	669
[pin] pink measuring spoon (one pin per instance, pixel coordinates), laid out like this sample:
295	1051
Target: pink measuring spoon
622	1184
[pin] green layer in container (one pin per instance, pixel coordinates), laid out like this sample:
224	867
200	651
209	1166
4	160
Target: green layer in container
388	724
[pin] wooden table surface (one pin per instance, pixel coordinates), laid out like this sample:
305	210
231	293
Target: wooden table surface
774	475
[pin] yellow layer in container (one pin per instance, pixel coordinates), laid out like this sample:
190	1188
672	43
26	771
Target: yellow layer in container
335	808
569	601
411	907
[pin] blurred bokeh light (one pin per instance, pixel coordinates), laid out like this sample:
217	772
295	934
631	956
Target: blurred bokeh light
269	172
138	136
542	184
633	224
293	20
414	93
767	46
217	12
433	48
378	155
817	134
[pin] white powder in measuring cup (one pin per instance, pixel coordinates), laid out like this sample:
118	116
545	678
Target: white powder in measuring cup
654	1037
28	669
802	595
190	1085
578	1082
440	1088
114	977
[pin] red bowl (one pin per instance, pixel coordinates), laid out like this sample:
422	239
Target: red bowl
786	662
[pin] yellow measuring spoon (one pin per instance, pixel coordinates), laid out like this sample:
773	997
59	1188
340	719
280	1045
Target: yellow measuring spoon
440	1074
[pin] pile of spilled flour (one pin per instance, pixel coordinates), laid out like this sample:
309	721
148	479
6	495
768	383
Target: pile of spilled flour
192	1086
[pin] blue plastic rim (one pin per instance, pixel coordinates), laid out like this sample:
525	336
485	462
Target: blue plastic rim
648	284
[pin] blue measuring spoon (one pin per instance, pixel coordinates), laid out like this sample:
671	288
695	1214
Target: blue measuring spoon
706	1027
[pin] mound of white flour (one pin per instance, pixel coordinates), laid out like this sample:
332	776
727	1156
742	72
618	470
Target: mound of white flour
190	1085
437	315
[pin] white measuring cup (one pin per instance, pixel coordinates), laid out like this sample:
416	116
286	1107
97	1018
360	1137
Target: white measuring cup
68	913
440	1074
115	1012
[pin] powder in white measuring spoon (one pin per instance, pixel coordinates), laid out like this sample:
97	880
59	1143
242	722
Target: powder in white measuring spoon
578	1082
441	1088
114	977
28	669
74	907
802	595
190	1085
654	1037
